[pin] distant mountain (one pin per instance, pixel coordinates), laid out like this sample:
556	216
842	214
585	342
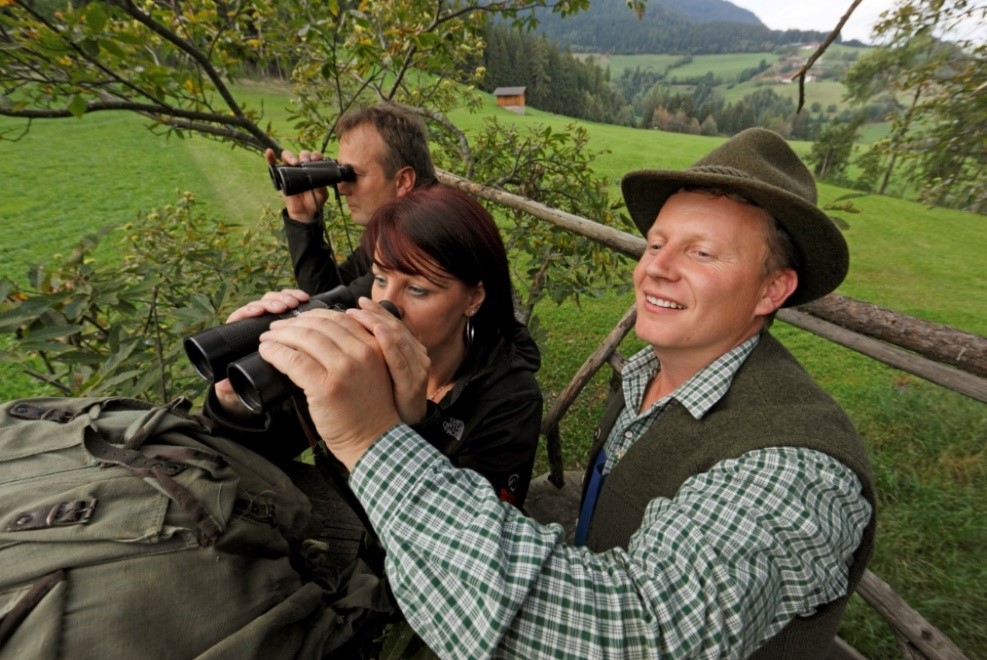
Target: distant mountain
667	26
707	11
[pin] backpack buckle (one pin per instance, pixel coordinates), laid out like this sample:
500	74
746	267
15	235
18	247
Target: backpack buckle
27	411
63	514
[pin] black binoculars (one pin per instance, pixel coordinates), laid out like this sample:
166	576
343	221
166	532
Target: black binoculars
294	179
230	351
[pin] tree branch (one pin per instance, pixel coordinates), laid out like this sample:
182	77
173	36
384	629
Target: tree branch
819	52
201	59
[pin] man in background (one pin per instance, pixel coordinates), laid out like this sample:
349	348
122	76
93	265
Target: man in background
387	147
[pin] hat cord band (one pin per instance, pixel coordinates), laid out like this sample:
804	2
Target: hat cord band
722	170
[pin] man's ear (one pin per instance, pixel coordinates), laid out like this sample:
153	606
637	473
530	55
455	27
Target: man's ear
782	283
405	180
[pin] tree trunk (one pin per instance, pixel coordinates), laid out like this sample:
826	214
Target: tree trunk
898	137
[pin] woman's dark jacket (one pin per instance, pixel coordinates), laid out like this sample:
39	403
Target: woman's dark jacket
488	423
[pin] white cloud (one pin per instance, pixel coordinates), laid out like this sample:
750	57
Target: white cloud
821	15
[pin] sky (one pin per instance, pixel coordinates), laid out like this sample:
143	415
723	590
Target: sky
822	15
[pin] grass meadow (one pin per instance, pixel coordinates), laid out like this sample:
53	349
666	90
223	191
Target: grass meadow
66	178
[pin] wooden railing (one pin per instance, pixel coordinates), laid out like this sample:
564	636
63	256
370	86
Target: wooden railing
940	354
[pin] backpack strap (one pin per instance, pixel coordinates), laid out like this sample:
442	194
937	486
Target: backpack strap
62	514
10	621
30	412
161	469
120	455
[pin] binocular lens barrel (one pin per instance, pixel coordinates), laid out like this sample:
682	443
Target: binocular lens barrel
294	179
259	385
211	351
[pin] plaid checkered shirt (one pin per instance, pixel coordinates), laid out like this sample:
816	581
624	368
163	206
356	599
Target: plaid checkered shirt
704	576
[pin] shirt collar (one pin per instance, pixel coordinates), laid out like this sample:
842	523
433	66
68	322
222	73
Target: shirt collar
699	393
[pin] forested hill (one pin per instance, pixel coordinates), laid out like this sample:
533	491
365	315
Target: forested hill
702	11
669	26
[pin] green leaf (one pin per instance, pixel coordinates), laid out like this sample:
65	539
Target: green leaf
44	346
77	106
121	377
52	332
90	47
96	16
111	47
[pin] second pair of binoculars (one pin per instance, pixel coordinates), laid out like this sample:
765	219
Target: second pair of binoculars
230	351
294	179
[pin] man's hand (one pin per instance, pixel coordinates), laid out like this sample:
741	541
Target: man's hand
340	366
406	357
304	206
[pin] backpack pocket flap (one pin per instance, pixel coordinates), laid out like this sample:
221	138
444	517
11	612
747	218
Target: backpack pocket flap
102	507
35	439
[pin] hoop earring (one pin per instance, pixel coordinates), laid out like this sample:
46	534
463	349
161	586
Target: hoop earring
469	331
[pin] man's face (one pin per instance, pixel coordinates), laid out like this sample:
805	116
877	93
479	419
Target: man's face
363	149
700	287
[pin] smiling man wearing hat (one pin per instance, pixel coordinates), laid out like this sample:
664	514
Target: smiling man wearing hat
728	507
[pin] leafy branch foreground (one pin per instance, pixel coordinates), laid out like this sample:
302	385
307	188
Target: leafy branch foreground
85	327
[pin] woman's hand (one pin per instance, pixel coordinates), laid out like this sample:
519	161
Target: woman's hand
274	302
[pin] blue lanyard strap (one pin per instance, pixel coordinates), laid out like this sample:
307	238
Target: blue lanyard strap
596	478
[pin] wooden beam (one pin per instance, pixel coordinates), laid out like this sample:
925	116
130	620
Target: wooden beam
952	378
904	620
841	650
936	341
550	423
627	244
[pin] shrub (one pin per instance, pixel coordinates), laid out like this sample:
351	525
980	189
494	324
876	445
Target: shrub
86	327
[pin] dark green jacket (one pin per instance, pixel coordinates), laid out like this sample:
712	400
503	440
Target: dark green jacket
771	402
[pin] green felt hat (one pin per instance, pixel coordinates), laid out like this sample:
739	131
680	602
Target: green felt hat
760	166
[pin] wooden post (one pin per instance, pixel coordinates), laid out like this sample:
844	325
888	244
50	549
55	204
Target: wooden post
905	621
550	423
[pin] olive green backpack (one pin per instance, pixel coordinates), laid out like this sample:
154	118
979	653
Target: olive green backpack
129	530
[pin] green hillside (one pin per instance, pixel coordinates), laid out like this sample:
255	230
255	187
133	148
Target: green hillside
732	73
105	168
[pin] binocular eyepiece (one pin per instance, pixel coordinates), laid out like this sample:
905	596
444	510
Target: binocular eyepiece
294	179
230	351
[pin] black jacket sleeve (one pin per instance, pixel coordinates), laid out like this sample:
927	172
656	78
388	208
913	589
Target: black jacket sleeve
313	259
277	436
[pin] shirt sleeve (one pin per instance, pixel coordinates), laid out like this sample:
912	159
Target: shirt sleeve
739	552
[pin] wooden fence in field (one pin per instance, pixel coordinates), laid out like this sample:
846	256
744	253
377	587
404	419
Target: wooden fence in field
940	354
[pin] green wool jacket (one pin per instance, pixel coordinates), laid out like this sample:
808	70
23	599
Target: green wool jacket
771	402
